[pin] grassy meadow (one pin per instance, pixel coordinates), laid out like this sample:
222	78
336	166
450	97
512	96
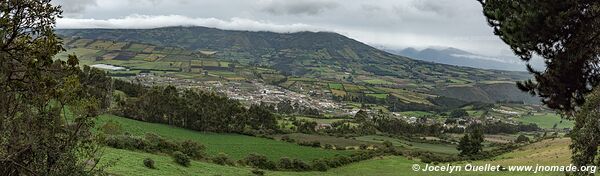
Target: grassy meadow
547	121
547	152
235	145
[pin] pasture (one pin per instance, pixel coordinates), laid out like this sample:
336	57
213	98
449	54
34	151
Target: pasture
235	145
547	121
336	86
438	148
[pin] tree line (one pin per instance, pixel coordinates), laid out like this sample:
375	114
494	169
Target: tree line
192	109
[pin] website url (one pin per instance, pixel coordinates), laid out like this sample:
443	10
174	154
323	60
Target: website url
497	168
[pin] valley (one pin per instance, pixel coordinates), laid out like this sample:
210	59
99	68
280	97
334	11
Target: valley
326	94
299	88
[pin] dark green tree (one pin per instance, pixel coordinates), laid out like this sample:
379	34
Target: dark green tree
470	143
566	35
584	136
522	139
37	135
458	113
361	116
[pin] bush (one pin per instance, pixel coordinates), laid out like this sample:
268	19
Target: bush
287	139
300	165
258	172
387	144
310	143
149	163
222	159
364	146
125	142
259	161
112	128
167	146
192	149
181	158
522	139
153	141
328	146
285	163
320	165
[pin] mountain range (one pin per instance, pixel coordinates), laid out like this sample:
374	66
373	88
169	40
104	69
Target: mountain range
320	55
458	57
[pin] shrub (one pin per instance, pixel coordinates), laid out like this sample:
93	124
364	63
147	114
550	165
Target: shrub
259	161
364	146
167	146
181	158
149	163
222	159
387	144
112	128
153	141
258	172
320	165
310	143
192	149
328	146
287	139
344	160
125	142
300	165
522	139
285	163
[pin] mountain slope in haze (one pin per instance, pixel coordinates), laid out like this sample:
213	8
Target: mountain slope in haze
281	50
289	52
321	55
453	56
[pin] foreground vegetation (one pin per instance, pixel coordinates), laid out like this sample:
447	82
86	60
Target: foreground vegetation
235	145
547	152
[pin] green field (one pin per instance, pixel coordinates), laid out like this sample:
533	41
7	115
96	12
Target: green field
547	152
377	81
339	141
380	96
339	93
336	86
415	113
131	163
236	146
439	148
547	121
354	88
319	120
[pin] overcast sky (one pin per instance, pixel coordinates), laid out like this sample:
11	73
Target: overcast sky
389	23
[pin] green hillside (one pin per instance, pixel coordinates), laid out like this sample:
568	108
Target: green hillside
547	152
489	92
235	145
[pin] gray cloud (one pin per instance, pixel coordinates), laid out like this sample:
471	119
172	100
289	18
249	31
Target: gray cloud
146	21
306	7
440	7
71	7
390	23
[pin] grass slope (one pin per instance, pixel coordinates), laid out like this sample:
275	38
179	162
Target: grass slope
131	163
547	121
236	146
548	152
